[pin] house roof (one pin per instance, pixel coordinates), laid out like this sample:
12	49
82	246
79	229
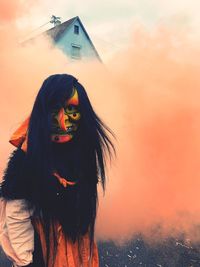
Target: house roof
56	32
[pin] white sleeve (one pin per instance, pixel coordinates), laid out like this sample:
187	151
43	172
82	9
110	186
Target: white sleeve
20	230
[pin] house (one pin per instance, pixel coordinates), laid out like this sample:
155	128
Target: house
72	38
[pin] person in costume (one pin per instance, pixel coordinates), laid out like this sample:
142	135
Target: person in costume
50	184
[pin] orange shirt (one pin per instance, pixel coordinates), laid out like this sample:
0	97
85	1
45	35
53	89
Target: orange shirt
67	252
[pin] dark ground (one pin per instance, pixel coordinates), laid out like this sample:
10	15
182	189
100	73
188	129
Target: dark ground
137	253
169	253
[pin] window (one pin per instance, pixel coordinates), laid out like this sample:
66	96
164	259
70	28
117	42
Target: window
76	29
76	51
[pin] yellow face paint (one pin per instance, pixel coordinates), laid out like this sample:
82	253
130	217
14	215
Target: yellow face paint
65	121
73	100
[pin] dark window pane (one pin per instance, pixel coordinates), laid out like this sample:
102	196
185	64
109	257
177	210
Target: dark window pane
76	29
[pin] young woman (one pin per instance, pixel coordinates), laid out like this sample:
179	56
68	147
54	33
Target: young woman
50	184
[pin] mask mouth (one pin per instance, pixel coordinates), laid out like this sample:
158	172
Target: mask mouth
58	138
70	129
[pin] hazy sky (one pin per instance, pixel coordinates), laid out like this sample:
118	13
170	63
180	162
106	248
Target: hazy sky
110	23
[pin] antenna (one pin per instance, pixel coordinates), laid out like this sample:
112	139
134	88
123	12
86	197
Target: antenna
55	20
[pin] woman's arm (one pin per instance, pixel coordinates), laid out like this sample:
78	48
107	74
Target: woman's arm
20	231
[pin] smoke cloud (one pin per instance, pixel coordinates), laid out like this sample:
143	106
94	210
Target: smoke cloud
155	184
149	95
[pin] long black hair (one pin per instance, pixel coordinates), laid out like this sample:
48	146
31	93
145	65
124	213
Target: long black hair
81	160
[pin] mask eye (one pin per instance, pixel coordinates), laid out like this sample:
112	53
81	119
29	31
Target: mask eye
75	116
71	109
73	112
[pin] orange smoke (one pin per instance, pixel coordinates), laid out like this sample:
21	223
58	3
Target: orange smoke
155	183
149	96
9	9
12	9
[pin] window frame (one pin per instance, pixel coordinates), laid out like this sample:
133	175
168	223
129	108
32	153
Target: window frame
76	29
76	55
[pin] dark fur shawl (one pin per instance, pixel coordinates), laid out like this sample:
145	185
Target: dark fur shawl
14	185
54	200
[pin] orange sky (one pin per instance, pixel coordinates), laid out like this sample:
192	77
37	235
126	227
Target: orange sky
149	96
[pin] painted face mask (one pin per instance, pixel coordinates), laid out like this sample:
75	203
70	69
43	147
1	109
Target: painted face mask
65	121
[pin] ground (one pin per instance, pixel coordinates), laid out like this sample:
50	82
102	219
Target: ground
137	253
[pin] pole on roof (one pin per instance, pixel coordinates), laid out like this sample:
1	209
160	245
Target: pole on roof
55	20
